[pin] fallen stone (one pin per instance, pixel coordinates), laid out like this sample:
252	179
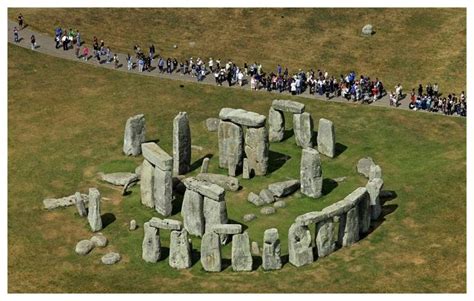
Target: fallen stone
215	213
363	166
340	179
157	156
227	228
276	125
311	175
129	184
255	199
167	224
374	188
132	225
241	256
99	240
303	129
325	237
118	178
312	217
267	210
134	135
84	247
163	191
288	106
205	165
271	259
266	196
231	139
192	212
206	189
299	245
326	138
256	150
243	117
181	144
367	30
80	206
375	171
279	204
211	260
255	248
285	188
180	250
146	184
212	124
93	216
197	147
151	246
226	182
249	217
111	258
52	203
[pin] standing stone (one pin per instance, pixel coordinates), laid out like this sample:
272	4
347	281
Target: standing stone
215	213
303	129
211	252
255	248
80	206
205	165
326	138
349	227
276	125
325	237
134	135
245	169
375	171
256	149
241	256
230	146
132	225
151	246
212	124
146	184
311	173
95	221
299	245
181	144
180	250
163	191
192	212
363	166
364	214
271	259
373	188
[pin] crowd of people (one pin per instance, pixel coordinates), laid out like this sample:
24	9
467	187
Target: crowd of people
319	83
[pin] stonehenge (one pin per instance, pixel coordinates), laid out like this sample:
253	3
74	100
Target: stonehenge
311	173
276	118
134	135
181	144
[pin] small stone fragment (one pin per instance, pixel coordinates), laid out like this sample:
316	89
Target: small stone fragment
205	165
255	199
84	247
267	210
132	225
249	217
279	204
111	258
266	196
99	240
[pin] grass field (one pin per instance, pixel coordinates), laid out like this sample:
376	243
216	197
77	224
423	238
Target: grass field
65	124
410	46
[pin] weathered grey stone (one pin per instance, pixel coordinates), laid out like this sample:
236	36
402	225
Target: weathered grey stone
256	149
363	166
276	125
192	212
349	227
181	144
206	189
337	209
288	106
241	256
326	138
364	213
99	240
325	237
118	178
271	259
131	182
311	175
255	199
255	248
231	141
215	213
146	184
299	245
211	260
367	30
138	170
246	169
249	217
373	188
205	165
84	247
132	226
157	156
163	191
167	224
52	203
279	204
356	196
93	216
340	179
226	182
212	124
282	189
227	228
303	129
266	196
80	206
243	117
375	171
267	210
180	250
312	217
151	246
134	135
111	258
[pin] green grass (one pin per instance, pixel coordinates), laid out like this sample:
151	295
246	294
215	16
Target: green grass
66	123
410	46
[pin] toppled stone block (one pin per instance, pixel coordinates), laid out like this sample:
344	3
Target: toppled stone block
84	247
266	196
157	156
249	217
53	203
285	188
118	178
110	258
267	210
279	204
255	199
99	240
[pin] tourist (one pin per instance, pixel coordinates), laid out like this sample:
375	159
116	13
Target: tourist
97	55
33	42
116	61
108	54
16	36
85	53
129	62
21	21
78	38
240	78
211	64
78	49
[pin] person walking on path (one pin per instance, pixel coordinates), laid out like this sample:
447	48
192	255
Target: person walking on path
78	51
108	55
129	62
21	21
116	61
97	55
33	42
78	38
85	53
16	35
